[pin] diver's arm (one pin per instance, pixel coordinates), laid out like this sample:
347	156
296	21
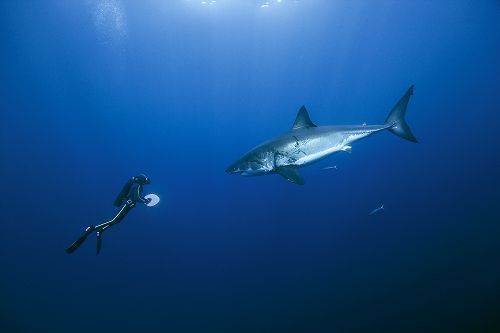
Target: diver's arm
139	196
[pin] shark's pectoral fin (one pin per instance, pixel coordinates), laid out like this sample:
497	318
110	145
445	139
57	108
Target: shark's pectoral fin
291	174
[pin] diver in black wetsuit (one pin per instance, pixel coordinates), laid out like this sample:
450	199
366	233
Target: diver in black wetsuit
130	194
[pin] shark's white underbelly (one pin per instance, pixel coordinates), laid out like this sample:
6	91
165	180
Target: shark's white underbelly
316	156
312	150
307	151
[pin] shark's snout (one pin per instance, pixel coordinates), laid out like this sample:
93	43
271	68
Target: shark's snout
232	169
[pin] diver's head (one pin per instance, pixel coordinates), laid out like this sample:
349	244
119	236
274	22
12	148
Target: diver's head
142	179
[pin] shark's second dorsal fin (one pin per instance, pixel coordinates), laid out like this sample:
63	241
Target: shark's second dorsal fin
302	120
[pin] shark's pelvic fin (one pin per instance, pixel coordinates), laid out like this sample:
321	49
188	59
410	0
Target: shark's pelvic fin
291	174
302	120
347	149
396	119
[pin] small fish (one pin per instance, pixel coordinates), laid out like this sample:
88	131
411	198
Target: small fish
330	167
376	210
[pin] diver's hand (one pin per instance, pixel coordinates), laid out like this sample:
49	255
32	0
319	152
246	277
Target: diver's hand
147	200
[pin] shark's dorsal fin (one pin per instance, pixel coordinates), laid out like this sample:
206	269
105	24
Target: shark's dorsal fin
302	120
291	174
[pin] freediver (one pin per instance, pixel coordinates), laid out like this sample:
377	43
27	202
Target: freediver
128	197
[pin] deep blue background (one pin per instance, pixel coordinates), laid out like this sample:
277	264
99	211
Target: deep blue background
93	92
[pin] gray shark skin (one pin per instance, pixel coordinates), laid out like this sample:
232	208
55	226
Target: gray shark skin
307	143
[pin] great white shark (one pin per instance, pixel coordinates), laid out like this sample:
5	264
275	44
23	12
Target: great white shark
307	143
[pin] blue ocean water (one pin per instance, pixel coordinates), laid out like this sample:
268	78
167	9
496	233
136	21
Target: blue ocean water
93	92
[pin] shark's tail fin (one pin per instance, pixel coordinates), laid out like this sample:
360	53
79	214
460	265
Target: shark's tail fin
396	119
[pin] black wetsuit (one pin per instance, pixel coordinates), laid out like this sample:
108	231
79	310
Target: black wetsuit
129	196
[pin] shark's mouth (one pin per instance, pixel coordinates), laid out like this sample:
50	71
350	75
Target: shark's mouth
238	171
232	169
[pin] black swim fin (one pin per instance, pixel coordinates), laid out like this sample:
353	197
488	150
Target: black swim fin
99	242
80	240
